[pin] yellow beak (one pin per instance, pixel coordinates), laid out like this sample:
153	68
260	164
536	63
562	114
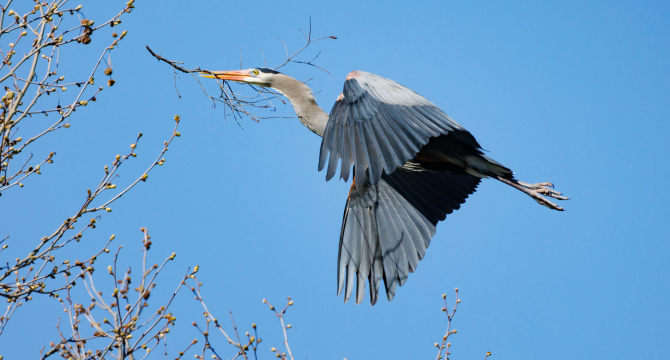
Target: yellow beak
233	75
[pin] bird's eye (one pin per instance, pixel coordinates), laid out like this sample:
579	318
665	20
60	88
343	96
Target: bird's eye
256	72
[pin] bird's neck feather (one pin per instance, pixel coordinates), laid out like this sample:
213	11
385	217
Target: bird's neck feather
304	103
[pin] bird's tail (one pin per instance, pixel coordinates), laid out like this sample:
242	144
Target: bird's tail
484	166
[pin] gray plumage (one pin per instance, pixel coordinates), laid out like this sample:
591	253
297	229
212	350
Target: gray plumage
387	227
378	125
412	165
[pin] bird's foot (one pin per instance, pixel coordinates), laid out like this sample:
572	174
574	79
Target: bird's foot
544	188
536	191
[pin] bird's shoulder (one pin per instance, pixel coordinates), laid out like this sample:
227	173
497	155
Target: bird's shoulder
362	84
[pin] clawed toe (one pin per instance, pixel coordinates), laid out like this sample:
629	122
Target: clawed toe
536	186
544	202
544	188
536	190
548	184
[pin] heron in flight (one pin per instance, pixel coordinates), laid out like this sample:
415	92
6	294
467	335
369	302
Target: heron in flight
412	165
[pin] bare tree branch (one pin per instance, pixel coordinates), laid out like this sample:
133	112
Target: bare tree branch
234	102
126	335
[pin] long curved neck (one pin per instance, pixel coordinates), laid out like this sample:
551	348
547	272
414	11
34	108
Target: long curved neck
302	99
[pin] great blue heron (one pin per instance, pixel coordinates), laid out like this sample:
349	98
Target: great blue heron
412	164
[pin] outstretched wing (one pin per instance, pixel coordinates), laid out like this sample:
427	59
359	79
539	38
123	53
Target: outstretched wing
388	226
377	125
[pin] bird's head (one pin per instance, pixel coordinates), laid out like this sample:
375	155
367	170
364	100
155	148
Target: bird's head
256	76
297	92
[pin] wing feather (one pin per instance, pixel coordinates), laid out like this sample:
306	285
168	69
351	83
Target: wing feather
347	155
334	155
388	256
344	251
400	153
398	239
408	228
407	148
375	157
394	122
387	227
383	144
378	126
413	124
405	129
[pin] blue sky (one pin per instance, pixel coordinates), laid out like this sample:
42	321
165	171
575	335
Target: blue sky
571	92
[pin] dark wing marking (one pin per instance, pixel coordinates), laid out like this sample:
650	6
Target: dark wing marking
388	226
457	152
378	125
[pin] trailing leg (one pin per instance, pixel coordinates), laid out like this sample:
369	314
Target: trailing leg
536	191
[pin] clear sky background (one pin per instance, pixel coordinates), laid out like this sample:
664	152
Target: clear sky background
573	92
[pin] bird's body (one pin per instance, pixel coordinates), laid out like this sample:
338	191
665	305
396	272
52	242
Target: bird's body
412	165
